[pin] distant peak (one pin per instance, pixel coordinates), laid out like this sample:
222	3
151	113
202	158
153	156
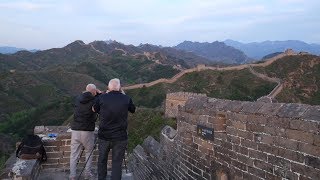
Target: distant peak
76	43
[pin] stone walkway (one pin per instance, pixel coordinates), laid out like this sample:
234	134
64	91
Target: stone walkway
58	174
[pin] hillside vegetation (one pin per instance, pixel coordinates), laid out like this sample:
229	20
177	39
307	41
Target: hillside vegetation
300	76
234	85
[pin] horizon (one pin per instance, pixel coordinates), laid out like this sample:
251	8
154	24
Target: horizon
53	24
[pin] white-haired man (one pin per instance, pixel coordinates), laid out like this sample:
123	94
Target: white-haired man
113	108
83	126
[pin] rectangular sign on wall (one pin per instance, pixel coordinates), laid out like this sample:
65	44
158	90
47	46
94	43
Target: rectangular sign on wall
205	132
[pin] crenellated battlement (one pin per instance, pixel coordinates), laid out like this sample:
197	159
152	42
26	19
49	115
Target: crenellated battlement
224	139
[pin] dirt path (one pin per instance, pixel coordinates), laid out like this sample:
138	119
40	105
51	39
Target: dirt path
202	68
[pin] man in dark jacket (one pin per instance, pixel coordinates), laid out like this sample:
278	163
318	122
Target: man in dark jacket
83	127
113	108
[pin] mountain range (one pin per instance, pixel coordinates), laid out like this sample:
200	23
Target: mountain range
257	50
12	50
38	88
215	51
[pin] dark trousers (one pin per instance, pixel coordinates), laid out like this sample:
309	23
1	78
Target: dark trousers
118	151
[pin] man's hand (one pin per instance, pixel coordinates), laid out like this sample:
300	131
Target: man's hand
98	91
121	90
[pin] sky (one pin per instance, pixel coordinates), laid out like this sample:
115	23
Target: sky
43	24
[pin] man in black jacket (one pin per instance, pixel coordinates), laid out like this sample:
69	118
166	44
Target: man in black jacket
113	108
83	127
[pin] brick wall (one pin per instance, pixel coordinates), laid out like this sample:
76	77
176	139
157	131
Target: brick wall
252	140
58	149
174	100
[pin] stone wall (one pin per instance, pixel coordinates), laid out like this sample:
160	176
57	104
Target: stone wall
58	149
174	100
252	140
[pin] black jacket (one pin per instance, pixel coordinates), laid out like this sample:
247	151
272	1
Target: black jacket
113	108
84	117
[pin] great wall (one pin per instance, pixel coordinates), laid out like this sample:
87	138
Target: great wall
223	139
215	139
267	62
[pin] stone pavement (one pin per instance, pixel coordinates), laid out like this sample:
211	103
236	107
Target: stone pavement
58	174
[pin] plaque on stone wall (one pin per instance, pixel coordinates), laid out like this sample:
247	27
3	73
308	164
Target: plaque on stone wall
205	132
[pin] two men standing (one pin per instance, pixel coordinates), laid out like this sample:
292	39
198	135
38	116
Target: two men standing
113	108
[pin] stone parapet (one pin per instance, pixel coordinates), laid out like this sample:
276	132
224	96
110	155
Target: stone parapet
251	140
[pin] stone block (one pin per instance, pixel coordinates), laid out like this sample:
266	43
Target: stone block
305	170
292	110
312	114
263	165
269	109
306	126
258	155
299	136
312	161
278	122
251	107
286	143
309	149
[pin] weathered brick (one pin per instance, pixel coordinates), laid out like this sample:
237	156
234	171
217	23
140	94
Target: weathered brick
286	143
257	172
268	149
248	144
245	159
266	139
299	136
52	143
254	119
278	161
219	119
316	140
270	109
239	117
292	110
274	131
250	107
234	139
313	113
285	173
270	176
227	145
245	135
51	148
305	170
255	128
219	127
54	154
291	155
231	130
309	149
312	161
263	165
240	149
239	165
65	148
223	157
52	161
307	126
258	155
239	125
278	122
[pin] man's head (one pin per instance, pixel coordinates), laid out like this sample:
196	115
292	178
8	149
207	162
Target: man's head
114	85
92	88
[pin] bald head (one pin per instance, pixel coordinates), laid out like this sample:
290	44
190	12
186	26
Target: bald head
114	84
92	88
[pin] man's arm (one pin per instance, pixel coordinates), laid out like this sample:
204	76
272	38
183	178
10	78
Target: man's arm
132	107
96	105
